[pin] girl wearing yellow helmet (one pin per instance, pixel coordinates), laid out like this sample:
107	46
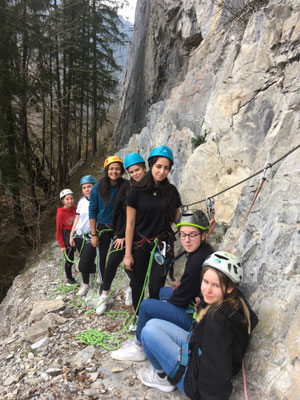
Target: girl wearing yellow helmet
101	206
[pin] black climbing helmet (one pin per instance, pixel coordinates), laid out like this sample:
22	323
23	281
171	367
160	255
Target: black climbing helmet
195	218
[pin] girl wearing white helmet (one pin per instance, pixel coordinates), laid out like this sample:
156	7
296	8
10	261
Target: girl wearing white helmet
136	168
64	220
81	234
102	200
202	363
152	205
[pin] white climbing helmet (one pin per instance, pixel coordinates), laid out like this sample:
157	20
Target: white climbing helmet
227	263
64	192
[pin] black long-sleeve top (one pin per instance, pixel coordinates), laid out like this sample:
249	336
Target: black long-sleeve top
191	279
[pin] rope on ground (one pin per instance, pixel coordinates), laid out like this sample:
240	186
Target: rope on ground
107	340
268	165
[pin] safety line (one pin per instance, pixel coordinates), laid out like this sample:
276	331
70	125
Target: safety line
269	165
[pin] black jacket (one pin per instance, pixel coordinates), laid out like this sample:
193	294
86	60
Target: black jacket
191	278
217	344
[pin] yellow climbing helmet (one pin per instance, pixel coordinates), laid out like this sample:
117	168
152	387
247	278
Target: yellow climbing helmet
112	159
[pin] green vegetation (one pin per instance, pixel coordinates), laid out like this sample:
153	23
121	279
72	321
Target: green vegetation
198	140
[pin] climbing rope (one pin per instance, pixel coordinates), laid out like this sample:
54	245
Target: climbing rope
269	165
111	341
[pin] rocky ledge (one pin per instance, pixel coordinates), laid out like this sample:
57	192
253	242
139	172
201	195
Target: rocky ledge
40	355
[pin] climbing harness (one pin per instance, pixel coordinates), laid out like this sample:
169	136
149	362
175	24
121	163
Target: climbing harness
182	362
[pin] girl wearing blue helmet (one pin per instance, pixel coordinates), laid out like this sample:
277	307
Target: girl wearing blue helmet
153	204
81	232
135	166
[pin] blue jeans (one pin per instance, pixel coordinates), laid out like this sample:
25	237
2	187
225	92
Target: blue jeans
161	342
153	308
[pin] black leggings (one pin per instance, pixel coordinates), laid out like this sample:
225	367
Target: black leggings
87	265
104	243
141	256
70	253
114	260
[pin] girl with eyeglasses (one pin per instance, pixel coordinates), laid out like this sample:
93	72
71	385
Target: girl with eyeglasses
174	302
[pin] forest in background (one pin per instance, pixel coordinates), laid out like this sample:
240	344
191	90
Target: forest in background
58	80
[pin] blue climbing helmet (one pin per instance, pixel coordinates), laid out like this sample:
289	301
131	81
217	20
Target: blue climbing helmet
162	151
132	159
88	179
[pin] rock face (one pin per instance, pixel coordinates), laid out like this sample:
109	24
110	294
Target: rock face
237	93
165	33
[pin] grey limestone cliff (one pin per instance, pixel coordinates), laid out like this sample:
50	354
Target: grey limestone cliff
237	90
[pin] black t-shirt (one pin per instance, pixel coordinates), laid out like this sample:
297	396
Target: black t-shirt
189	287
119	213
151	220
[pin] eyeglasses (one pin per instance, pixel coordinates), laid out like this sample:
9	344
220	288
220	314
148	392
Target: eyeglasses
191	236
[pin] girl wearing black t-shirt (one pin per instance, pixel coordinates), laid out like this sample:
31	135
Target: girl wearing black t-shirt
136	168
152	205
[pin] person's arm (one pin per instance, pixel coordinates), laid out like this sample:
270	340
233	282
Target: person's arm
93	211
76	220
130	226
59	229
94	240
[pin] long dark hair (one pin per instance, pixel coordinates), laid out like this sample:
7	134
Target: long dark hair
165	190
104	184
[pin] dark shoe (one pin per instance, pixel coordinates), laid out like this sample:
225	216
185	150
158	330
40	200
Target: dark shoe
71	281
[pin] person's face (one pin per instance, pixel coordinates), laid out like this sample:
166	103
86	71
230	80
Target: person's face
114	172
211	289
86	189
190	238
68	201
136	172
161	169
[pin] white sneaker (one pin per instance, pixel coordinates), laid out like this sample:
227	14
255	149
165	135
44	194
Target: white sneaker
128	296
129	351
133	324
84	288
150	378
102	307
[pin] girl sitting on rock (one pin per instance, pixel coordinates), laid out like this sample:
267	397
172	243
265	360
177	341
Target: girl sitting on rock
81	234
173	305
202	363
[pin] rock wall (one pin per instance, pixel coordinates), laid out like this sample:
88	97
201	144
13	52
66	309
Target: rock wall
238	89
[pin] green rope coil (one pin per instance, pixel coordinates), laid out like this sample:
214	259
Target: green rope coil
105	339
